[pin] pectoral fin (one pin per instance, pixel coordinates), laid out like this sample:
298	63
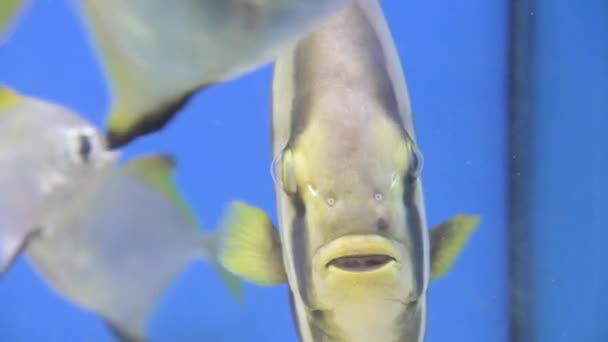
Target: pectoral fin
448	240
250	246
158	171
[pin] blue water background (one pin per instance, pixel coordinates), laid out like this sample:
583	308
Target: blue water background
454	56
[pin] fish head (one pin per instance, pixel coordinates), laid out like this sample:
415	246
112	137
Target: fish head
77	152
350	234
52	153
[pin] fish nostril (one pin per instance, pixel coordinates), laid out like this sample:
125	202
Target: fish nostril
381	224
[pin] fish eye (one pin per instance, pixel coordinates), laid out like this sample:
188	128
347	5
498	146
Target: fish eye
82	144
416	161
282	171
85	147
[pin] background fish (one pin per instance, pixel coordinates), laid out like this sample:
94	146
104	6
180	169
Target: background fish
157	54
353	238
122	245
108	238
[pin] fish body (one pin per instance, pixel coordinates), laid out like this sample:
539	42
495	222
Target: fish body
108	237
157	54
352	231
119	248
353	163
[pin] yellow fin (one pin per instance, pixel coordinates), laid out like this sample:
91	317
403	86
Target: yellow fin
448	240
8	97
158	171
250	247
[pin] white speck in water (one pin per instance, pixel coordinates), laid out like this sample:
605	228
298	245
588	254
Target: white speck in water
331	201
378	197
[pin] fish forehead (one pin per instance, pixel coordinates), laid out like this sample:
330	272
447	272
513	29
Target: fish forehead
31	136
39	139
38	114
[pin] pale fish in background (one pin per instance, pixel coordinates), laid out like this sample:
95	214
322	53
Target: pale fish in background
109	238
158	53
352	240
48	155
122	245
9	13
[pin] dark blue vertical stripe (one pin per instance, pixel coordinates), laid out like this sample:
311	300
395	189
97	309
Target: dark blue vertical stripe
564	188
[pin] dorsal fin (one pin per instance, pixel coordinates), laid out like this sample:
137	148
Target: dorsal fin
9	11
8	97
158	171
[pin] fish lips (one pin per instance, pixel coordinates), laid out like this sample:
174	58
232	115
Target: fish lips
358	254
359	268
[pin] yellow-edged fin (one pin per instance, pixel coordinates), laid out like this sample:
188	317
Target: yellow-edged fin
158	171
250	247
116	66
8	98
234	284
448	240
124	82
9	10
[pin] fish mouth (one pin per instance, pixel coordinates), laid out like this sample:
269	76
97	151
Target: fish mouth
359	254
361	263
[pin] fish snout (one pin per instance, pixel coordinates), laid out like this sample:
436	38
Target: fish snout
360	267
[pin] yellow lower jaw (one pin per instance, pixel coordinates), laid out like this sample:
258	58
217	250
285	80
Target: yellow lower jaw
335	287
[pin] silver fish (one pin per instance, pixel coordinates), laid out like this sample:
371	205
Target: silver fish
158	53
353	243
107	237
122	245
